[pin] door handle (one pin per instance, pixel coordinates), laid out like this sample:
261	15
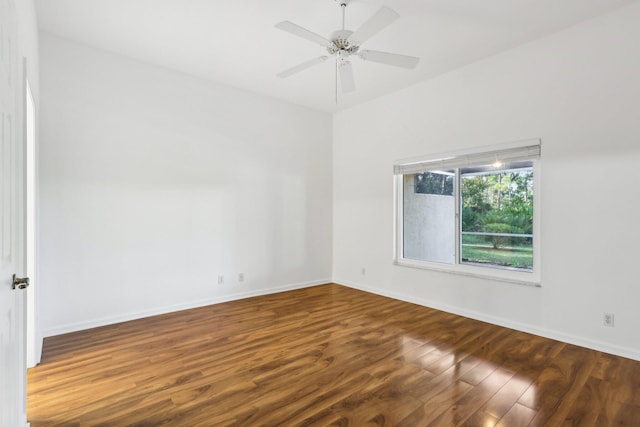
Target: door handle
20	282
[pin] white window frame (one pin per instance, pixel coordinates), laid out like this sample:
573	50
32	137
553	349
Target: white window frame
460	159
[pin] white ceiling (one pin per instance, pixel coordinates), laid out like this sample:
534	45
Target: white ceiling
234	41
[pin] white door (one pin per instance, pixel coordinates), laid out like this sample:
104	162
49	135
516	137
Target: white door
12	334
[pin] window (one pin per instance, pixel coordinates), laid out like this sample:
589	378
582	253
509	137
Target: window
471	213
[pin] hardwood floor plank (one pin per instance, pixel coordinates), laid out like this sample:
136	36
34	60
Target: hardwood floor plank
472	401
506	397
569	371
518	416
325	355
480	419
588	405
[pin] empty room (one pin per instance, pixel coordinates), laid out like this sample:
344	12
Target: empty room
320	212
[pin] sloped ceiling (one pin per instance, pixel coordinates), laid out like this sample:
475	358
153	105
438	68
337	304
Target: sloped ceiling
235	42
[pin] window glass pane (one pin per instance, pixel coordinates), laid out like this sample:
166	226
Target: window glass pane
429	216
497	215
434	183
517	252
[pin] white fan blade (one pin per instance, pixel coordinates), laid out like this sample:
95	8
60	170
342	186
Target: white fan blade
302	67
394	59
347	82
375	24
297	30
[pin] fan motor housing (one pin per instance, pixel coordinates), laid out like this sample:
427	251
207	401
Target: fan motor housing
340	43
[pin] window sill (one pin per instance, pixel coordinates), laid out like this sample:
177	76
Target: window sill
513	277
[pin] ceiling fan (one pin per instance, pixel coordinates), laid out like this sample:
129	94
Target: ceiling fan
344	43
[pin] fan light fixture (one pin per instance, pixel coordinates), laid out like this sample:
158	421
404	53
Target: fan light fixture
343	44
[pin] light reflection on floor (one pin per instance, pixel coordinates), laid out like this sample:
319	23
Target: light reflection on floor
463	372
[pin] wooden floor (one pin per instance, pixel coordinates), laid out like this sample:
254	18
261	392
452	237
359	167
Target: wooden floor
326	355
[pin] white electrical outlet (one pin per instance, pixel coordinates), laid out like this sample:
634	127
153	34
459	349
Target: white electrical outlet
220	280
363	271
608	319
240	277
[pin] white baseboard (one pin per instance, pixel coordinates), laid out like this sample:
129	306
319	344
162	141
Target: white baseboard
627	352
94	323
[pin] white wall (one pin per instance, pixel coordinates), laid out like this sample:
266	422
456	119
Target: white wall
154	183
28	41
579	91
